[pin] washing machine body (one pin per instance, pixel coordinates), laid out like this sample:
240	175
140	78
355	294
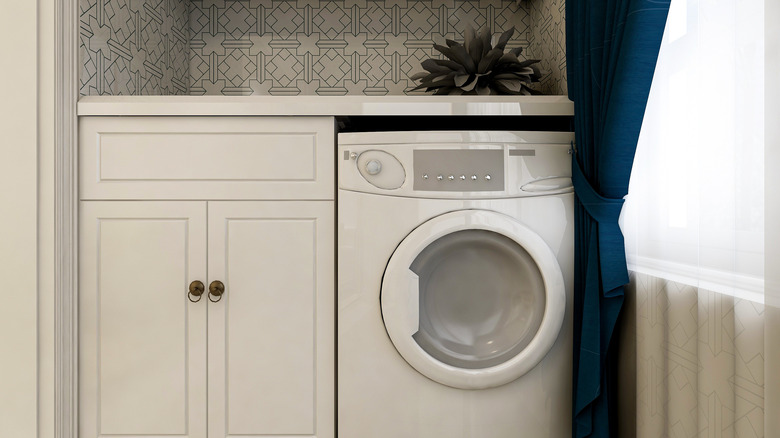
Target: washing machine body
455	271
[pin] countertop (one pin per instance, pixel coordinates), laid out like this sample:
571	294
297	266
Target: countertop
324	105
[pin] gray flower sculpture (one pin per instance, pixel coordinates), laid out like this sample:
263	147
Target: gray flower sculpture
476	67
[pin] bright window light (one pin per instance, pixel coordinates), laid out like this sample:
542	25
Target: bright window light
695	210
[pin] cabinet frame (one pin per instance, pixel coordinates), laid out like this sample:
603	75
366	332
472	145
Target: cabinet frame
65	384
67	324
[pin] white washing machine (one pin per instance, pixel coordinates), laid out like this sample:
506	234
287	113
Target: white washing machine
455	266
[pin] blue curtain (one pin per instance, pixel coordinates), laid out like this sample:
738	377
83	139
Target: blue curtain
612	47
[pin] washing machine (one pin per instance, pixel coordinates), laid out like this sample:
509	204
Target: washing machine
455	270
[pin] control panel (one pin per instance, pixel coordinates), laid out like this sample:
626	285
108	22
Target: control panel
459	170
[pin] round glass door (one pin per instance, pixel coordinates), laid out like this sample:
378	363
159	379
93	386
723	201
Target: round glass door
473	299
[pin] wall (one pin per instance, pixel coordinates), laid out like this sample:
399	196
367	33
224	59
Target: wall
134	47
289	47
45	219
772	213
18	223
547	42
330	47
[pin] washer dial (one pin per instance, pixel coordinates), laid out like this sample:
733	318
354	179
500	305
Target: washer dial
381	169
373	167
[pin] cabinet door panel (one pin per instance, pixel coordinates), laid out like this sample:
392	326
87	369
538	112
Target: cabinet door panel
206	157
271	369
142	364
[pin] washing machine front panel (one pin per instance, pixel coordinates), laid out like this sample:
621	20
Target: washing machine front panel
405	358
473	299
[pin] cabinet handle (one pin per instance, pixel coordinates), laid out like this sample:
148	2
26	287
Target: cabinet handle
196	290
216	289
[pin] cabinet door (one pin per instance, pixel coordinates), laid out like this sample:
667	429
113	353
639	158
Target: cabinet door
271	336
142	349
196	158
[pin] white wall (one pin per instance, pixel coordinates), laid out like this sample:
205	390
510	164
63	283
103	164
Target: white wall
772	218
45	218
18	220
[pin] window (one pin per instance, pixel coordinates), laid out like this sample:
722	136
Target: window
695	210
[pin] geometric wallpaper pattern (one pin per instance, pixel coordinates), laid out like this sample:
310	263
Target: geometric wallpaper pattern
700	362
547	42
330	47
134	47
291	47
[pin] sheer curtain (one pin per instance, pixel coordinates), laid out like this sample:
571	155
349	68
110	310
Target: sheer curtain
695	210
694	228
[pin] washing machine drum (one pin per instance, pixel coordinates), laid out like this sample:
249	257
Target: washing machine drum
473	299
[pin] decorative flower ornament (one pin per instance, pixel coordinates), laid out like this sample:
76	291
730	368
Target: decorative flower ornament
476	67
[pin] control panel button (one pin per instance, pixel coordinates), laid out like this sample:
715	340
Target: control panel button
373	167
482	168
425	176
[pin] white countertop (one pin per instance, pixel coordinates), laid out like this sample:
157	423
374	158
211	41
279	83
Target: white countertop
324	105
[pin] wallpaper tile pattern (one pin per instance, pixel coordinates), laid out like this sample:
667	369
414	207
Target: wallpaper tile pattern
287	47
134	47
700	362
547	42
330	47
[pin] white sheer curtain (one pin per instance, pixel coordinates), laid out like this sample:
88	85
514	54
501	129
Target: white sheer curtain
695	210
694	228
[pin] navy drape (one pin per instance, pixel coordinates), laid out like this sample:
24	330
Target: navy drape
612	47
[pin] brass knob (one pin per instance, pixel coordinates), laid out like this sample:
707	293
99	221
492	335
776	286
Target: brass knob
196	290
216	289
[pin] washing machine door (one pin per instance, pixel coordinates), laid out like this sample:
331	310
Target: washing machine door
473	299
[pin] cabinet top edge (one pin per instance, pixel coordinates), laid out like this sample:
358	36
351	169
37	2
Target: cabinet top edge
324	105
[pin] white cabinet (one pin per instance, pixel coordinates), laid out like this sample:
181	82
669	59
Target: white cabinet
142	349
206	157
257	361
271	338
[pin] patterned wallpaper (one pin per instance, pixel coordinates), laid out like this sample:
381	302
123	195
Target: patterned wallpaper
547	42
329	47
134	47
700	362
289	47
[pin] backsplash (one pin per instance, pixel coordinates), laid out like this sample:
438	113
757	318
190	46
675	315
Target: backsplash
134	47
330	47
291	47
547	42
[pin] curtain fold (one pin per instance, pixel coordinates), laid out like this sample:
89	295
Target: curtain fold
612	47
700	362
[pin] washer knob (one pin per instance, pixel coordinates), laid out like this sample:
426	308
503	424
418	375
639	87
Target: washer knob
373	167
487	177
451	177
473	177
462	177
439	177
